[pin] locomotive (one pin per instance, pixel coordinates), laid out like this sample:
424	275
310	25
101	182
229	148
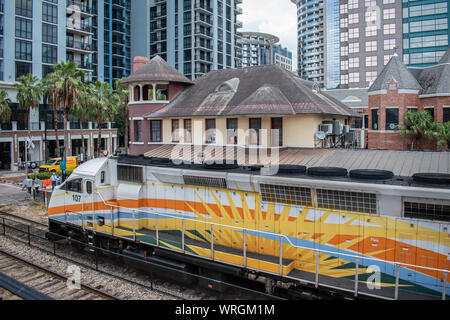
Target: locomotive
367	233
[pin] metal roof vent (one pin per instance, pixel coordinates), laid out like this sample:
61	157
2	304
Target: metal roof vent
316	88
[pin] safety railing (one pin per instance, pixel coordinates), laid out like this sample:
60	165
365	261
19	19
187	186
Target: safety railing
283	240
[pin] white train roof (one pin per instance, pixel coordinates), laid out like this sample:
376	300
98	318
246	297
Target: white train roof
90	168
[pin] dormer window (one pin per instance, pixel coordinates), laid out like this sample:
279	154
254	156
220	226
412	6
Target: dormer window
392	85
224	87
228	86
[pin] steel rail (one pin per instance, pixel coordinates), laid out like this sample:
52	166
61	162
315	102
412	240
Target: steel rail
85	287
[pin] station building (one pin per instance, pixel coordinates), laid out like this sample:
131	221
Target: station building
232	107
399	89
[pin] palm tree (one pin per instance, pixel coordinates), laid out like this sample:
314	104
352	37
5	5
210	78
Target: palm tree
67	91
102	105
443	134
48	85
124	109
81	111
29	96
418	125
5	106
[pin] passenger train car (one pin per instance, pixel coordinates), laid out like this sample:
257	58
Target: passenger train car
368	233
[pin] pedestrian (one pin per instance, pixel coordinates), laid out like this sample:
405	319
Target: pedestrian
37	185
54	179
59	180
29	184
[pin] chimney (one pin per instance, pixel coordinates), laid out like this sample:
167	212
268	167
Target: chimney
139	62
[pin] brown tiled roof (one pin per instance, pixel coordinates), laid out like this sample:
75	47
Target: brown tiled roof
266	89
156	70
401	163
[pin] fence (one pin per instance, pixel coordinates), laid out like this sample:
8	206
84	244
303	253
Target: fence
101	259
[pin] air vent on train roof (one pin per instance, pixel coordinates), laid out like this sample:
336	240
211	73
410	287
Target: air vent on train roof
327	172
370	174
288	168
432	178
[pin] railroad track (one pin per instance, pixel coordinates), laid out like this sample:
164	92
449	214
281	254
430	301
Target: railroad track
46	281
163	286
17	218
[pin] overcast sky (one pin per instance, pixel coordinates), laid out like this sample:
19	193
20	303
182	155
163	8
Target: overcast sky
277	17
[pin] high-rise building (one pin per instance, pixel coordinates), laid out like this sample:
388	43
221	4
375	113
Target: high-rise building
34	35
311	40
194	36
257	49
370	33
94	33
347	43
116	43
425	32
282	57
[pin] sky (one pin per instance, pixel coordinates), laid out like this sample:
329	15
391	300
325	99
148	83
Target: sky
277	17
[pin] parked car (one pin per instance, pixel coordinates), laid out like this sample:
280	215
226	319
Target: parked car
53	165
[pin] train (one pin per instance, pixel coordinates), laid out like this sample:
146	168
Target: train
365	233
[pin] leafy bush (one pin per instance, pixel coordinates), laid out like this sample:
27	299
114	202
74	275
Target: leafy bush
47	175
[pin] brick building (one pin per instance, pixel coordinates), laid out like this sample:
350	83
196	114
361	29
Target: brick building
399	89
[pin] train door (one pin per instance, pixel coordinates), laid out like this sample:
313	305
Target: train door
89	204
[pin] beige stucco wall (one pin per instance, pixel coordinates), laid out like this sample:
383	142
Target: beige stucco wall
298	131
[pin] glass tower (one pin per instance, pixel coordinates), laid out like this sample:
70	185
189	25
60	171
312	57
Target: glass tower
425	31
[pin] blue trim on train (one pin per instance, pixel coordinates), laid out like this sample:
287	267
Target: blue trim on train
384	266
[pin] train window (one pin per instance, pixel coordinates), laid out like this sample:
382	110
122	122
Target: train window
102	177
286	194
130	174
74	186
218	183
346	200
89	187
426	211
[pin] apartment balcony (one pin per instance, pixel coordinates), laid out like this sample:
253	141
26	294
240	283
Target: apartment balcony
203	46
238	1
84	65
201	7
206	21
119	30
80	7
239	24
78	46
80	28
160	14
203	33
119	3
238	10
203	59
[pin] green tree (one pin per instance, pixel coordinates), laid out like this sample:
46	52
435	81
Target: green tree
123	112
29	96
418	125
102	104
49	94
5	106
67	91
81	111
443	135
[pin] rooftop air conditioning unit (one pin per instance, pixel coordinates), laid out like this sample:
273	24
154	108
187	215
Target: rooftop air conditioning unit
327	128
337	130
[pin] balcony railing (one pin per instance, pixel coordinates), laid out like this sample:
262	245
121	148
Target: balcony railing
78	45
81	6
75	25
